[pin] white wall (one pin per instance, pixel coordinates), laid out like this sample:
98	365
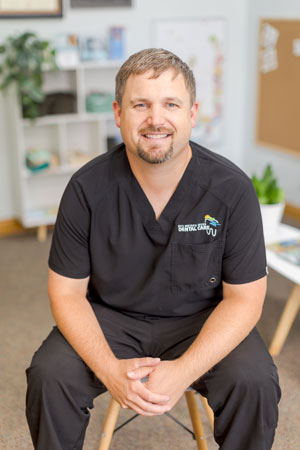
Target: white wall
286	166
138	22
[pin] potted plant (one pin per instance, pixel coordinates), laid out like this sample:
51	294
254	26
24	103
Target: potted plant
22	61
271	199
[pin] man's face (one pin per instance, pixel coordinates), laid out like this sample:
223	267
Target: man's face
156	117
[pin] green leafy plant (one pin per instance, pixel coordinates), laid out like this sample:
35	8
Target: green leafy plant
267	189
23	58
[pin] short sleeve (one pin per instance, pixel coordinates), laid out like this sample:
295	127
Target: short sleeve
244	258
69	253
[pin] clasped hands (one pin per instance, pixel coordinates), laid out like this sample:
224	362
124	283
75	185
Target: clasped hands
165	385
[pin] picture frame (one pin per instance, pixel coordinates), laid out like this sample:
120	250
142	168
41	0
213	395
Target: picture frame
31	9
100	3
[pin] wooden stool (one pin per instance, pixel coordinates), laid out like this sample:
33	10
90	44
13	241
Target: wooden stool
112	413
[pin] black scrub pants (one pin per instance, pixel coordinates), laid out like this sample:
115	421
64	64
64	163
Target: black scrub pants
242	389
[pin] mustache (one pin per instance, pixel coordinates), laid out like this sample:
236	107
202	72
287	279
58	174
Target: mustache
161	130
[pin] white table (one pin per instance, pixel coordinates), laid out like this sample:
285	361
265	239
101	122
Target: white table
292	273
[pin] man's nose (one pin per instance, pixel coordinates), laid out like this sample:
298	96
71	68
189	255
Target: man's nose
156	116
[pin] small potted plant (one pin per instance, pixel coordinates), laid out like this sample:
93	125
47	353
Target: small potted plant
271	199
23	58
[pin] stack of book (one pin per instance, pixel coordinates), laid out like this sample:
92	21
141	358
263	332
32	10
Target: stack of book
288	250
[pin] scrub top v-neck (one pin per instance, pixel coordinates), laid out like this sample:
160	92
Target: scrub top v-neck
210	231
164	224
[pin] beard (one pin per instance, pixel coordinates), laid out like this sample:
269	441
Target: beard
156	155
158	158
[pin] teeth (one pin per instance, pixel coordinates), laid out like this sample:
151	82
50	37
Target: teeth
156	136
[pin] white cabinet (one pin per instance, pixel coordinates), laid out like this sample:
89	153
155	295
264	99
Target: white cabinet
72	139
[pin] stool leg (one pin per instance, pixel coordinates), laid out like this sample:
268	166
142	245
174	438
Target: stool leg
209	411
196	420
109	424
286	321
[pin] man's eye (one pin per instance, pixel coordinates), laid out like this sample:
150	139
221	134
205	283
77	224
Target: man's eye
140	105
172	105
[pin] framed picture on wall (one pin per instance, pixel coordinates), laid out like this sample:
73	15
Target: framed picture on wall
14	9
99	3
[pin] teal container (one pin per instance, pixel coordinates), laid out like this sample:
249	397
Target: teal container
99	102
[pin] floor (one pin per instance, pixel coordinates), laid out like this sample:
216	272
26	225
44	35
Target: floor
25	320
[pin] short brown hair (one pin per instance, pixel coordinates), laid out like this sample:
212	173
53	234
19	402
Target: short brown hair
158	60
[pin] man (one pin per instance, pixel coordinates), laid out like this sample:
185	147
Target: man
158	270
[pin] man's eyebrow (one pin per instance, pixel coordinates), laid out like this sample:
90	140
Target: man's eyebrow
176	100
133	101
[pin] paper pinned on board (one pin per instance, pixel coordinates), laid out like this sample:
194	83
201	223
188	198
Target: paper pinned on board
269	36
268	60
268	55
296	47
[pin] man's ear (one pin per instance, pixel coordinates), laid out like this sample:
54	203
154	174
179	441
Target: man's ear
117	113
194	113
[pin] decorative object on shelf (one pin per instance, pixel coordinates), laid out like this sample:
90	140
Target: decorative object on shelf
28	9
67	52
77	159
271	199
92	48
99	102
116	43
58	103
38	159
24	58
72	48
99	3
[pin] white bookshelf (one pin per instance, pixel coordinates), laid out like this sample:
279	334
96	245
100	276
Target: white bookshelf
72	139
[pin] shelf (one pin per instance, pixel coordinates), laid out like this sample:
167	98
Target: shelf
107	64
65	169
68	118
71	139
37	217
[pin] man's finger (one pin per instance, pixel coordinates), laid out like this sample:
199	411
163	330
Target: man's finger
136	403
140	373
150	396
142	362
142	412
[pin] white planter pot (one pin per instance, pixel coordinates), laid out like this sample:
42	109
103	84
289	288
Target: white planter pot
271	218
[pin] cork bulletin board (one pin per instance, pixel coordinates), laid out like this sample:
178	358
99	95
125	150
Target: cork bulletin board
278	100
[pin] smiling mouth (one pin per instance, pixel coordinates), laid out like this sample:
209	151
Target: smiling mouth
156	136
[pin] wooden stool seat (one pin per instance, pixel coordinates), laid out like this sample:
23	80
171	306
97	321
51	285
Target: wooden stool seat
113	409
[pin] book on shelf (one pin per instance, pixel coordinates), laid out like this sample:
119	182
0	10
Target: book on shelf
288	250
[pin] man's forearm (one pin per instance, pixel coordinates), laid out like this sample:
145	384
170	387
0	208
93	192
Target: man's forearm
76	320
230	322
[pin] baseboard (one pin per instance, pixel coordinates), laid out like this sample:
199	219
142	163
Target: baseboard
12	226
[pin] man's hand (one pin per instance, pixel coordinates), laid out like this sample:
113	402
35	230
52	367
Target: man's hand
132	392
165	378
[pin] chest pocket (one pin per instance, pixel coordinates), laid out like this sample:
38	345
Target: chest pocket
195	266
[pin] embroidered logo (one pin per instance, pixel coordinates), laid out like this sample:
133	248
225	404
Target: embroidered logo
209	225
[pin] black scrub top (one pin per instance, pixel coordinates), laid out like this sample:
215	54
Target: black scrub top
209	231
